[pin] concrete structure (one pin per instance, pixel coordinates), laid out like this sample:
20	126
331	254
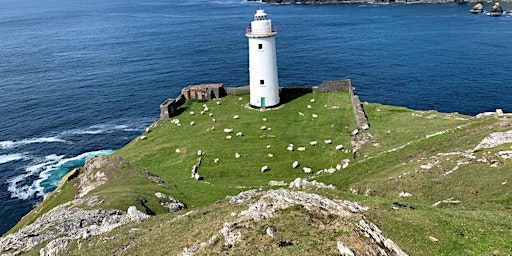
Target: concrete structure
263	82
204	91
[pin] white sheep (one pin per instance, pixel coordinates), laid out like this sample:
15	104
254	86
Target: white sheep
270	155
216	160
239	134
218	103
301	114
263	128
228	130
301	148
192	123
264	168
289	148
192	113
295	164
312	100
178	150
328	141
211	114
264	119
237	155
307	170
236	117
313	143
200	153
339	147
309	106
314	115
229	137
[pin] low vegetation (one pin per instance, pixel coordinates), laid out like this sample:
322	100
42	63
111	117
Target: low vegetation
410	163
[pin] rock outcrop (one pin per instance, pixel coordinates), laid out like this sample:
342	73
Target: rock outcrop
89	179
263	205
64	224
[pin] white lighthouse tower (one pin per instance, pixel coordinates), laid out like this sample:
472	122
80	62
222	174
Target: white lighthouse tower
264	87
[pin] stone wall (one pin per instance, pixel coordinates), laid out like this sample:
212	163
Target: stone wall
361	119
327	86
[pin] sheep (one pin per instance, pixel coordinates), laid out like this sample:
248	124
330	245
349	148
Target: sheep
301	114
268	146
216	160
178	150
309	106
312	100
237	155
206	109
192	123
328	141
295	164
192	113
314	115
264	168
214	120
263	128
236	117
338	167
339	147
270	155
289	148
229	137
264	119
228	130
200	153
143	137
307	170
202	112
313	143
148	130
210	115
239	134
301	148
218	103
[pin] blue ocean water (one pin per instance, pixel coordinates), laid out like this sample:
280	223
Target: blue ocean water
83	78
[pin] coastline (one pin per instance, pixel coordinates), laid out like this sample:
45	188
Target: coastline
314	2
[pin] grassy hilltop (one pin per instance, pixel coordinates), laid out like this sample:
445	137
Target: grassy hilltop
426	154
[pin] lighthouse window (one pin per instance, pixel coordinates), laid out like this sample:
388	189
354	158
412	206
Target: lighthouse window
260	46
262	82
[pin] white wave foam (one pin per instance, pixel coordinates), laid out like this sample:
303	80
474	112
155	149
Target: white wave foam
104	128
12	144
45	171
11	157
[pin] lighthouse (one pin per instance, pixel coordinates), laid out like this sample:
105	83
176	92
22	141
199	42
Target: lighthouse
264	87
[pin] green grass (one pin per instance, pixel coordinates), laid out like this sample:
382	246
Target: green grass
231	175
407	140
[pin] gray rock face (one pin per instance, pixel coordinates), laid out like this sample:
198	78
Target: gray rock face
266	207
386	245
89	179
64	224
495	139
173	204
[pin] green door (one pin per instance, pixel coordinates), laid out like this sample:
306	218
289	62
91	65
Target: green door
262	101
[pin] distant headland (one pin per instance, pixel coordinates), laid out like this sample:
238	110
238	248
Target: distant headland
368	1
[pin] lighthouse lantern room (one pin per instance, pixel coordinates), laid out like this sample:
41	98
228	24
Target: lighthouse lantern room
264	87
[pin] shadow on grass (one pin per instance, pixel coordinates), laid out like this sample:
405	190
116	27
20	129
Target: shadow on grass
288	94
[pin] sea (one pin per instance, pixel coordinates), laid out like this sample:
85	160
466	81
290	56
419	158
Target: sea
82	78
